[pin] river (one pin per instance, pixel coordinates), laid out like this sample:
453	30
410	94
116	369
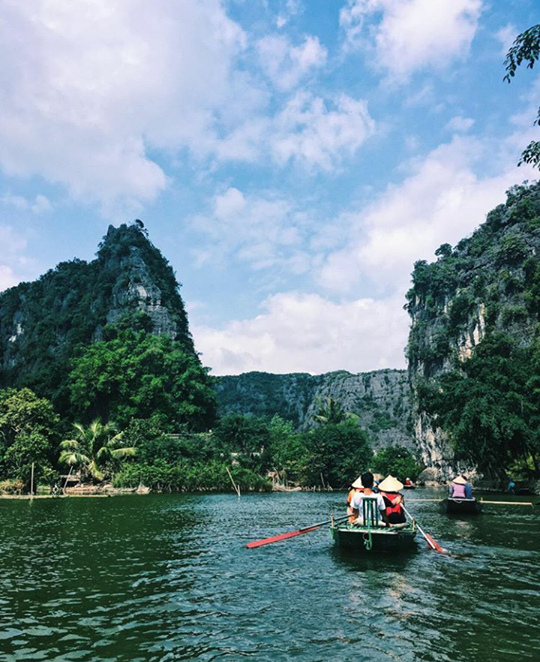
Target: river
168	577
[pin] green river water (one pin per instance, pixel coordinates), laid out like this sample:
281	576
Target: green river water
168	577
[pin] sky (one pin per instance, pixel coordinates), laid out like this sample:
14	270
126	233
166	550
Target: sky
292	159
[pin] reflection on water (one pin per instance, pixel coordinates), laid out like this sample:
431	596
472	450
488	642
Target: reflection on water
168	577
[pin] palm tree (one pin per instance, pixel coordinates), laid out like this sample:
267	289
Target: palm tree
331	412
94	449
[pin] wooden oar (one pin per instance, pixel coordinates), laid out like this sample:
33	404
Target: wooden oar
432	543
292	534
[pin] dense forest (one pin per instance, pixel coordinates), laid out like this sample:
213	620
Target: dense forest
474	346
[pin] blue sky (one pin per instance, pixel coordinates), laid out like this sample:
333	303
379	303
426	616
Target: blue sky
291	158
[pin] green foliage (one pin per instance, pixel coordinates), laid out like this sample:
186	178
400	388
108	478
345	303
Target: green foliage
398	461
28	434
340	452
211	477
44	324
489	407
138	375
330	412
526	49
96	450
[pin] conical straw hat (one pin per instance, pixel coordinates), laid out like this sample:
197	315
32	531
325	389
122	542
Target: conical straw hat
357	483
390	484
459	480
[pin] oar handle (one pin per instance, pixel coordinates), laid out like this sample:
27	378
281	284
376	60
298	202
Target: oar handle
329	521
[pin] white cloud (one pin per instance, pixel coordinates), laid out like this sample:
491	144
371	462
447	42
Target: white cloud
291	8
286	65
308	333
506	37
39	205
265	231
310	131
105	81
314	133
410	35
441	201
459	124
7	277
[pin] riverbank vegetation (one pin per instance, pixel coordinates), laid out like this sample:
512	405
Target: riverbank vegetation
253	452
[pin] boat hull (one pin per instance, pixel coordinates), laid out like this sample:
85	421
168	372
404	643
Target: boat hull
460	506
363	540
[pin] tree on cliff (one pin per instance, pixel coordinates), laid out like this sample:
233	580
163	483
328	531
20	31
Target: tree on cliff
139	375
526	48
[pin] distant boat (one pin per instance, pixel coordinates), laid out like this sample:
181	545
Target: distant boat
452	506
412	486
370	539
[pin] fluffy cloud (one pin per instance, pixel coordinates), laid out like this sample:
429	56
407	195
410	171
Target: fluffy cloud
105	81
263	231
39	205
441	201
286	64
408	35
314	133
7	277
308	333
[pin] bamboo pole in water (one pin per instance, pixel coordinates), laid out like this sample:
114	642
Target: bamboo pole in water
509	503
236	487
32	481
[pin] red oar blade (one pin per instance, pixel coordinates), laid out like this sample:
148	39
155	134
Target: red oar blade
283	536
434	544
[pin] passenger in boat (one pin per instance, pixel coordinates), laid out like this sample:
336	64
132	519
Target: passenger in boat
457	489
355	487
511	487
356	502
468	488
393	500
408	482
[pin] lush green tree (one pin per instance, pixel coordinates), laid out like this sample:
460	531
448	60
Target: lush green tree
28	435
526	49
487	406
330	412
96	449
247	438
398	461
337	452
139	375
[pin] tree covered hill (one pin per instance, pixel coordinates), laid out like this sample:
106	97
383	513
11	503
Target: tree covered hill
474	350
46	324
380	400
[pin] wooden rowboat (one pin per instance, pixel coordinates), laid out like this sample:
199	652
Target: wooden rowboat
460	506
370	539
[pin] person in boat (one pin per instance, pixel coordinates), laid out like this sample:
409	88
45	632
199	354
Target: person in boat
408	482
511	489
356	503
355	487
468	488
458	489
393	500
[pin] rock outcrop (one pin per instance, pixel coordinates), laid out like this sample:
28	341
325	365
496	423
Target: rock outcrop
45	323
489	282
380	399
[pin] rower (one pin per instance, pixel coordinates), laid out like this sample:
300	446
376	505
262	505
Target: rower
458	489
393	500
357	501
356	487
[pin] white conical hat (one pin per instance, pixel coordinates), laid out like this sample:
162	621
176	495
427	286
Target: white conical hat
390	484
459	480
358	483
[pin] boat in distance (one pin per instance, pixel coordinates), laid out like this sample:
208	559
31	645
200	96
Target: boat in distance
372	539
452	506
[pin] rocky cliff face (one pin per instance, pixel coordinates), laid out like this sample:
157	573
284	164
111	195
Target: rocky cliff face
489	282
44	323
380	399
